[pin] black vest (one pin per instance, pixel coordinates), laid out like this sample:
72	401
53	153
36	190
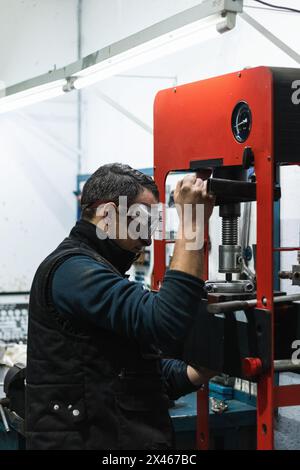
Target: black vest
88	388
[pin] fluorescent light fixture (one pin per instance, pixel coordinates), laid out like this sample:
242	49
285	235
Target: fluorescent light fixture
148	51
30	96
187	28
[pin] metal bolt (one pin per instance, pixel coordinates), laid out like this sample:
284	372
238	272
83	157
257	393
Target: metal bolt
209	288
249	287
264	301
69	407
76	412
56	407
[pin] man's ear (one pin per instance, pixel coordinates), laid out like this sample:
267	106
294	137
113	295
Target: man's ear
106	210
110	211
106	217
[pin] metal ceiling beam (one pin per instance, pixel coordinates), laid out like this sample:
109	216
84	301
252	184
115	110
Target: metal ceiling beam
47	136
271	37
132	117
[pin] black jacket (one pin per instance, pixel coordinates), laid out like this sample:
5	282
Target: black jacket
90	387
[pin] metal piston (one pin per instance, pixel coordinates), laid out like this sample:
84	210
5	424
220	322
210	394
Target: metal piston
230	259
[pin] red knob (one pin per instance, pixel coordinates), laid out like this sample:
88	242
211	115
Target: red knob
252	366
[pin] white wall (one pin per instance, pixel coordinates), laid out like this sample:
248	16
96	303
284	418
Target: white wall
37	177
108	134
112	135
36	36
38	160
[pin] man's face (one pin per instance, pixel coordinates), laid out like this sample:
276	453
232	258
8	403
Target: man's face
147	199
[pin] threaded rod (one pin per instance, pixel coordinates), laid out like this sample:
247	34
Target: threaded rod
229	230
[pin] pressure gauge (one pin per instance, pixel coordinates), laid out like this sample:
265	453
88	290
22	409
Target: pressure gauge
241	121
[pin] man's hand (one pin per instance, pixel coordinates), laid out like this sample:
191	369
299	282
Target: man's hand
200	376
188	250
193	190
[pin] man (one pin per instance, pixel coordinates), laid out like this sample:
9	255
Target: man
95	377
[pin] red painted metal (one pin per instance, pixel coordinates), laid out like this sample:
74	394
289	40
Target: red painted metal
202	433
287	249
287	395
252	367
264	170
193	123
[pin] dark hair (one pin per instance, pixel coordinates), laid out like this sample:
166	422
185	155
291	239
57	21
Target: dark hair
110	182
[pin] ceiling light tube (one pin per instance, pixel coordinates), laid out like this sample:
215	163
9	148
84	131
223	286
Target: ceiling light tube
187	28
33	95
148	51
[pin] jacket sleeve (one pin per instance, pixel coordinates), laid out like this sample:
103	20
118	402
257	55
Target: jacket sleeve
90	290
175	378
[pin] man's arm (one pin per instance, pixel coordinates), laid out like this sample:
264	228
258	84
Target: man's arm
176	379
89	290
181	379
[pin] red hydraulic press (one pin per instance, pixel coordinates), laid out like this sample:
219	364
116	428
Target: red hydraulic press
230	124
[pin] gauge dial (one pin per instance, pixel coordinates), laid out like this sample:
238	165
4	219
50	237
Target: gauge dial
241	121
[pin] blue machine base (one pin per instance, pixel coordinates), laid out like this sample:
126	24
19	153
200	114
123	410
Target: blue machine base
233	429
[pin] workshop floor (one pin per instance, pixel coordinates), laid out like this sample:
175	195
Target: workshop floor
287	435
